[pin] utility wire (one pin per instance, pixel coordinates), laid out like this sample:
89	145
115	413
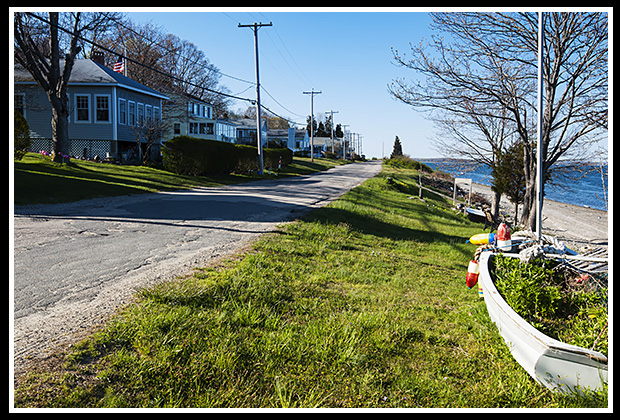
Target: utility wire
178	79
195	62
276	101
251	101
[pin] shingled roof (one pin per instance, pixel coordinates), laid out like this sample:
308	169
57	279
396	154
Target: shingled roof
87	71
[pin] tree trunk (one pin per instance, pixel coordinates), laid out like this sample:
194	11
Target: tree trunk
528	217
516	222
60	126
495	207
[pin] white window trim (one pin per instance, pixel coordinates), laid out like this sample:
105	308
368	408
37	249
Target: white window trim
75	102
135	113
140	106
120	114
109	120
148	114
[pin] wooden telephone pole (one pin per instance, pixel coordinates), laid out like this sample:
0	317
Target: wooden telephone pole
259	138
312	93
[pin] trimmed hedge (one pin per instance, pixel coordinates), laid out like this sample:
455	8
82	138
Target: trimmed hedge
191	156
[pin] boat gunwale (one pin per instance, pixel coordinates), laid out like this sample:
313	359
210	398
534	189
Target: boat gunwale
549	344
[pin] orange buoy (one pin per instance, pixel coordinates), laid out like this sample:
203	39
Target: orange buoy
472	274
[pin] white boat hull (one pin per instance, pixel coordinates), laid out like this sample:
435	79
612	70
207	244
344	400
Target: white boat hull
558	366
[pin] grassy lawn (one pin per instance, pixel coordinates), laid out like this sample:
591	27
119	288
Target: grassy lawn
362	303
37	180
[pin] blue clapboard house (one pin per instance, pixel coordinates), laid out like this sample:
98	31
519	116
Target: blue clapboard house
106	108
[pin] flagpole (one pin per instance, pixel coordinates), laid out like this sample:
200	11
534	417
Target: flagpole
125	61
539	148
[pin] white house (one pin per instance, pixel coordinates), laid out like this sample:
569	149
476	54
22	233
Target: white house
185	115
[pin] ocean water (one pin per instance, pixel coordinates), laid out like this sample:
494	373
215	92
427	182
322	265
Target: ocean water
586	190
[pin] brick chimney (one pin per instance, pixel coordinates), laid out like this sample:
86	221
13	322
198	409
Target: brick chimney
98	57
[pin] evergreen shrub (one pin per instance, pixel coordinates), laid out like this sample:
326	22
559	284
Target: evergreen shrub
191	156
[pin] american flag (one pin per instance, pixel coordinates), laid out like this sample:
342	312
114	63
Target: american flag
119	66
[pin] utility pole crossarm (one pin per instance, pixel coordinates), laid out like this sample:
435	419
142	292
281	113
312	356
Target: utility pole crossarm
255	25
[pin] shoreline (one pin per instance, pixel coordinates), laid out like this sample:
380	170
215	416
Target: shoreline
580	228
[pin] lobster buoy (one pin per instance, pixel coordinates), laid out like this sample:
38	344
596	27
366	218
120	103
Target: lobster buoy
504	242
482	238
472	274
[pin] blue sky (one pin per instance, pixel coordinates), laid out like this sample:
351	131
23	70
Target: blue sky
342	53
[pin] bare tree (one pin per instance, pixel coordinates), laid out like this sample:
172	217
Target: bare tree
148	134
490	63
168	63
478	136
47	45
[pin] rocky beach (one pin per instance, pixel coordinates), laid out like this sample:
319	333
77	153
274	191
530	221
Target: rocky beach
580	228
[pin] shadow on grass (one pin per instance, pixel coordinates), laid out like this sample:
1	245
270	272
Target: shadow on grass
47	183
60	188
369	225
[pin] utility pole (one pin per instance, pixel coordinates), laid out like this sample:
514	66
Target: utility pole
312	93
360	145
259	138
332	114
344	140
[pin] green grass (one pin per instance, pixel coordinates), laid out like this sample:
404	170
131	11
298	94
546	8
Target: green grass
38	180
362	303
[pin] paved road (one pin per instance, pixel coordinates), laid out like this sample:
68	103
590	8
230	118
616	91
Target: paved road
75	264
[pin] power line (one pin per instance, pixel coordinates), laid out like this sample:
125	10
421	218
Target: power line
195	62
178	79
276	101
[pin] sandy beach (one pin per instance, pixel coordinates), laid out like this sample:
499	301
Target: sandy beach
579	227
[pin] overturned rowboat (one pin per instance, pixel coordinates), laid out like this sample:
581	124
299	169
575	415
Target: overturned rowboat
475	215
559	366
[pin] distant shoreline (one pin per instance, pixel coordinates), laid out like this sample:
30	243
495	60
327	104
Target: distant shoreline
551	190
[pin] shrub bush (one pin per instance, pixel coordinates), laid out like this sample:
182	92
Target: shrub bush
191	156
21	136
408	163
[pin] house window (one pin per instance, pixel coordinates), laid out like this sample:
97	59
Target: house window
177	128
149	114
193	128
132	113
102	110
82	113
122	111
140	115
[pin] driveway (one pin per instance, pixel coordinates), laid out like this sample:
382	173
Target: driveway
75	264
